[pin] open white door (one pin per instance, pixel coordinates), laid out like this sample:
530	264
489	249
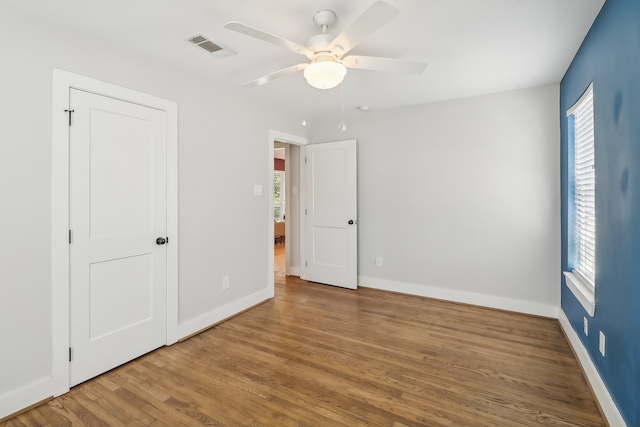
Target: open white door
331	214
118	221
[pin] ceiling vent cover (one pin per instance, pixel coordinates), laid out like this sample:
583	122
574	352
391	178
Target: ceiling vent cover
208	46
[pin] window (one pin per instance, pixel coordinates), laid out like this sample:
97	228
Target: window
583	176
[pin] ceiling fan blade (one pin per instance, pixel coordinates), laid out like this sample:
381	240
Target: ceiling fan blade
371	20
383	64
266	79
267	37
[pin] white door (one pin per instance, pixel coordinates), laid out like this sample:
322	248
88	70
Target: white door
117	211
331	219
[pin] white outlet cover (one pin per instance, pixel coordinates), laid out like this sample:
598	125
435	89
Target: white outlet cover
378	261
602	343
294	190
257	190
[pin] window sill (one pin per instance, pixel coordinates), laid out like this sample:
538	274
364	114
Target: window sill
585	295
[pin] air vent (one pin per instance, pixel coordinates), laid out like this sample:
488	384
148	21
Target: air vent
198	39
208	46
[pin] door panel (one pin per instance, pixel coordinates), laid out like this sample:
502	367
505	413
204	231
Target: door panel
117	210
335	238
109	281
332	249
120	145
330	176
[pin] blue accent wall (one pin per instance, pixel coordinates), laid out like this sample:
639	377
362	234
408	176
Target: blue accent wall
610	57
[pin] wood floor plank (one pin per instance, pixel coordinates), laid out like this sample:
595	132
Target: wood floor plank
258	381
338	356
378	386
14	422
318	356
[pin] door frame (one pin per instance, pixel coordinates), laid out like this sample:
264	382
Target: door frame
277	136
63	82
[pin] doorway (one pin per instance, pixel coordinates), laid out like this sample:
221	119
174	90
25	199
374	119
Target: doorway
310	239
281	152
286	208
61	231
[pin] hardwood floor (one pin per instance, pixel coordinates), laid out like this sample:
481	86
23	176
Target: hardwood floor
323	356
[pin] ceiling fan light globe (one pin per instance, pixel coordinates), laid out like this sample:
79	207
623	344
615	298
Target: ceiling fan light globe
325	75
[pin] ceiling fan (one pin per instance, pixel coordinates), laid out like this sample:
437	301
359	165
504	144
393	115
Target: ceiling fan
326	52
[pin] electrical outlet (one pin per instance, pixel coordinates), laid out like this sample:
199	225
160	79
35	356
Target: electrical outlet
585	326
602	344
378	261
225	282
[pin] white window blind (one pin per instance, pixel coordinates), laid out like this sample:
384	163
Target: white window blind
585	188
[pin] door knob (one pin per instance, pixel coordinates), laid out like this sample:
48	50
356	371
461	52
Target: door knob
161	241
350	222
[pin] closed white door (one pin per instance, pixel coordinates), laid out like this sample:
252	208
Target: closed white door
331	214
117	211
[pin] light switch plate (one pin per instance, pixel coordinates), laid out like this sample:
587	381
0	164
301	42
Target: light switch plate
585	326
257	190
294	190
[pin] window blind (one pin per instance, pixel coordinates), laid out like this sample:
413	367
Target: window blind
585	188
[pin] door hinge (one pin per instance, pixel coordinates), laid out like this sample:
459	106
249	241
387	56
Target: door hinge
69	236
306	264
69	111
305	160
167	239
69	354
305	211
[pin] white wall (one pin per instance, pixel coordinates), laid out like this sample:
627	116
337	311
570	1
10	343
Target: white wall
461	198
223	152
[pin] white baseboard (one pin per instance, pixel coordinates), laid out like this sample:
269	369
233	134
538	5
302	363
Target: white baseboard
17	400
614	418
212	317
465	297
293	271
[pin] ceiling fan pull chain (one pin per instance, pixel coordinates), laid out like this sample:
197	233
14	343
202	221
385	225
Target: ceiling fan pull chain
342	125
304	104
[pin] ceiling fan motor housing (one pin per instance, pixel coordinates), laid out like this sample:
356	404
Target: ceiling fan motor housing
320	43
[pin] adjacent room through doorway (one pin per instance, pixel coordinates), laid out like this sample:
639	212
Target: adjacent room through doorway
279	210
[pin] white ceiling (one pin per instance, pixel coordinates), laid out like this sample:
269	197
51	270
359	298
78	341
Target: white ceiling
472	47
